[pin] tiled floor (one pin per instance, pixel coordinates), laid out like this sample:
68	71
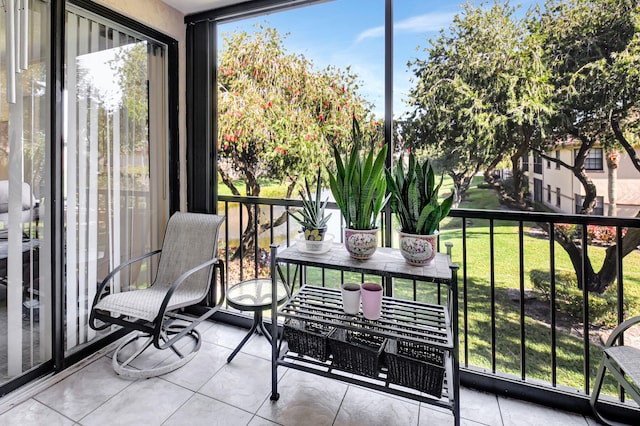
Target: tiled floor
209	391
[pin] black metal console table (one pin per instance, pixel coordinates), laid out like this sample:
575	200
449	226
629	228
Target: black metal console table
411	321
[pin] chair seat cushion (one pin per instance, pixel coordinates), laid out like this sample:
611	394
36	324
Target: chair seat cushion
145	304
628	359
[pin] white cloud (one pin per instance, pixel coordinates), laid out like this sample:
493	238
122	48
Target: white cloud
374	32
415	24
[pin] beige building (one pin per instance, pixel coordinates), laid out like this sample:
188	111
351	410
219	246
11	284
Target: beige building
558	189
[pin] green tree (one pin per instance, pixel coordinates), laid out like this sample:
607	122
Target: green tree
481	94
592	48
587	47
277	114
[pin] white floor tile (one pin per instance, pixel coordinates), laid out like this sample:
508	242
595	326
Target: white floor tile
224	335
245	382
304	400
33	413
259	421
258	346
79	394
146	402
521	413
201	410
363	407
209	359
480	407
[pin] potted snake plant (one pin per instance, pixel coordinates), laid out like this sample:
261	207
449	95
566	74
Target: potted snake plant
312	216
359	188
414	200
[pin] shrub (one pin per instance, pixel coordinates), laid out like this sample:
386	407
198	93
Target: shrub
602	235
602	307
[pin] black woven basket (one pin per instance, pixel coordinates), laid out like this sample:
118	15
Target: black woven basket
308	338
356	352
414	365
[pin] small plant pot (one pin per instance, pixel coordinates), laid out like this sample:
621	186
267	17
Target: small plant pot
361	244
418	250
312	236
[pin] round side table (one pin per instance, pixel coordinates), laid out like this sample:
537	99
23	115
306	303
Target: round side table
254	296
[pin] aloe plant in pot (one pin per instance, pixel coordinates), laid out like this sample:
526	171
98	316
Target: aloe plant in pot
414	200
312	216
359	188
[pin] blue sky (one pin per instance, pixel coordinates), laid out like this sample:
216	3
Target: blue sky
351	32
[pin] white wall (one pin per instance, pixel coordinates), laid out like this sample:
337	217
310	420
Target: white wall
628	184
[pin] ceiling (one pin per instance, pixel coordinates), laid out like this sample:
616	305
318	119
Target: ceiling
193	6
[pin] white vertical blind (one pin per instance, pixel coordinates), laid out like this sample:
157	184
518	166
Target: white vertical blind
110	174
71	169
14	269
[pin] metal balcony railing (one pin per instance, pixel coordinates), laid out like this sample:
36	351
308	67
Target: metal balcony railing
539	342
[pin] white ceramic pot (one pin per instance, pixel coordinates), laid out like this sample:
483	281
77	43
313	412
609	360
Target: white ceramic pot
361	244
418	250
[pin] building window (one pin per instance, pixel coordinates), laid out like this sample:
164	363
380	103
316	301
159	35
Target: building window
558	158
548	193
537	163
593	161
525	163
598	209
558	198
537	190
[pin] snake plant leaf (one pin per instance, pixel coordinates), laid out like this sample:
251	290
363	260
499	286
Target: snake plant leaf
312	215
414	197
359	183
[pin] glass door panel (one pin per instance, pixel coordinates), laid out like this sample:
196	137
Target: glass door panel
25	297
115	160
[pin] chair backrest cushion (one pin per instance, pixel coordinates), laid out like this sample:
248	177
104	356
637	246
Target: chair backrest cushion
190	240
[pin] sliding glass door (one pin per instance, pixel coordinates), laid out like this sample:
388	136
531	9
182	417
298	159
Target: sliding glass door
24	187
111	169
115	185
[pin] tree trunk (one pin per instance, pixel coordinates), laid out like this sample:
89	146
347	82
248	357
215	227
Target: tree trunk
518	175
597	282
589	201
460	188
615	126
613	160
488	173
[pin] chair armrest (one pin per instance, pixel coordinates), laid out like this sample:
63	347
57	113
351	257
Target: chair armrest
115	271
178	282
617	332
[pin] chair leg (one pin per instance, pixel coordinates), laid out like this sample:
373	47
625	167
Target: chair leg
124	369
597	386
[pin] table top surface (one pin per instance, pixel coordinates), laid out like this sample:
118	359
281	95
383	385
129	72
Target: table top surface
385	261
254	294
